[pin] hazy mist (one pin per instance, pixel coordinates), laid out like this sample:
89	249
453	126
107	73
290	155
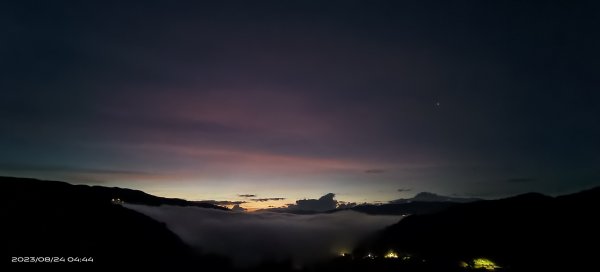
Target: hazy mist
249	238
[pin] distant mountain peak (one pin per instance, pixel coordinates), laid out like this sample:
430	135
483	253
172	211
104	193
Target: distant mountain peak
432	197
425	195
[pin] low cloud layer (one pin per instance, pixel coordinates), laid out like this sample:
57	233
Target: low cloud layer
222	202
374	171
249	238
268	199
247	195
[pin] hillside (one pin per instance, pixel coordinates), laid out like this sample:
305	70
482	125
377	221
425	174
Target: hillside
403	208
56	219
527	232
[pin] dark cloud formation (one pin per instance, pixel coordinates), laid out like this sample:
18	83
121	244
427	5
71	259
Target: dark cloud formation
375	171
324	203
521	180
247	195
238	208
222	202
267	199
402	190
249	238
345	205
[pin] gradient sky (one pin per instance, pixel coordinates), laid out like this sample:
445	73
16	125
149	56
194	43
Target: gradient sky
370	100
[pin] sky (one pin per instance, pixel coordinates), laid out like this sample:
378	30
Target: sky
369	100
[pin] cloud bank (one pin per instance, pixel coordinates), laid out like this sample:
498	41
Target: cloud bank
268	199
222	202
246	195
325	203
238	208
250	238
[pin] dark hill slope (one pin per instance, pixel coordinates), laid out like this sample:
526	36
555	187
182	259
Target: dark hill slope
527	232
56	219
416	207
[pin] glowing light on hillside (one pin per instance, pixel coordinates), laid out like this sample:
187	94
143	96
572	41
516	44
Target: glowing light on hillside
391	255
483	263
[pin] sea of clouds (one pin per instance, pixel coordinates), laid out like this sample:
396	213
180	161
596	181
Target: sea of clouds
250	238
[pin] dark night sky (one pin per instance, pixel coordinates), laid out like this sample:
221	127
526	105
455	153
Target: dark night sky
296	99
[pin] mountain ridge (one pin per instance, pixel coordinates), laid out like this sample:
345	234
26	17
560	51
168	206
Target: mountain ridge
104	193
530	231
56	219
433	197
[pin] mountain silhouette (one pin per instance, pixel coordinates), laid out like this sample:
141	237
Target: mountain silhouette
409	208
57	219
529	232
422	203
23	187
431	197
